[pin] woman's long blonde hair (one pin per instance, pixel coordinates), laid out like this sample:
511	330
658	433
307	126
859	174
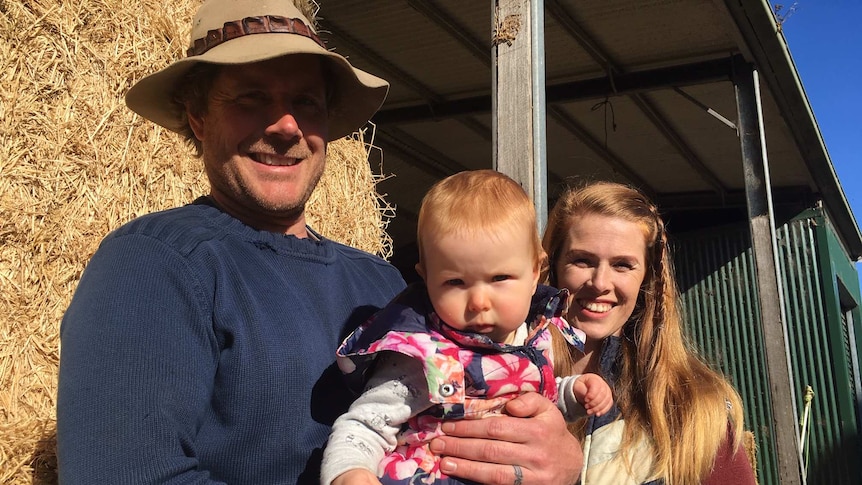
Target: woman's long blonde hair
667	395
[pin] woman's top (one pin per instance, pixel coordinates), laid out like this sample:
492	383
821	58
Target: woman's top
603	462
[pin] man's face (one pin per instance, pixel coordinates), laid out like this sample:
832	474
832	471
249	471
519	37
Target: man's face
264	136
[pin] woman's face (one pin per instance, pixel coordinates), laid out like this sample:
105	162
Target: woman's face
602	261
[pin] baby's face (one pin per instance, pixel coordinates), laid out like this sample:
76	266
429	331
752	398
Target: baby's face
482	283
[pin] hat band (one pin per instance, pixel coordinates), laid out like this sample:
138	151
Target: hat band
261	24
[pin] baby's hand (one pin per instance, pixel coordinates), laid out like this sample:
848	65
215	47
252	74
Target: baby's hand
594	394
357	476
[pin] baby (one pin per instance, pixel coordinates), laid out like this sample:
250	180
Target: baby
460	346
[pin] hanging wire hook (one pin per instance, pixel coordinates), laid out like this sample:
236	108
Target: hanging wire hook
606	103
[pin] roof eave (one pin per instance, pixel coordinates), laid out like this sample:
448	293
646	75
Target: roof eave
761	33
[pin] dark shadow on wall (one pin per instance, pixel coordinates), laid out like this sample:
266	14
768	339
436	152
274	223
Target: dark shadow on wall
840	465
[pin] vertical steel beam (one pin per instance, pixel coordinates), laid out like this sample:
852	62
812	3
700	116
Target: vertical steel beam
763	241
518	83
540	155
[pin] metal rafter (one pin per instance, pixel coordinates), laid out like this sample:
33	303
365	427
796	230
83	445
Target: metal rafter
480	51
734	199
433	12
603	59
595	145
598	88
585	40
416	152
392	72
676	140
422	156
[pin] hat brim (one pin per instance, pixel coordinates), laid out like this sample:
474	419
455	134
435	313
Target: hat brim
357	94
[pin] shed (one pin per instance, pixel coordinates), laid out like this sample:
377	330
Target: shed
698	103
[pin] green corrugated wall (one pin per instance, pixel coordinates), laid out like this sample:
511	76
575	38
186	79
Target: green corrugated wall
821	292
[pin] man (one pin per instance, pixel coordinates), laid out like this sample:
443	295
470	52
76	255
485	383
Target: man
199	345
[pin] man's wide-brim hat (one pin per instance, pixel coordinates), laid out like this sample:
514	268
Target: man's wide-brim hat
232	32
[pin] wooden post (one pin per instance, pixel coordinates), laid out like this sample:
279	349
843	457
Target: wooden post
773	324
518	99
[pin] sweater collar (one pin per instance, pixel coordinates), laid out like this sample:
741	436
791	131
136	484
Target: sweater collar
315	247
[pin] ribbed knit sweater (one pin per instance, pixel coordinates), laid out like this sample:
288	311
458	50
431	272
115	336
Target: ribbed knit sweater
199	350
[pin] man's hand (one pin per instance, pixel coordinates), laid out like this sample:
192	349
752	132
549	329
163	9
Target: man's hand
533	436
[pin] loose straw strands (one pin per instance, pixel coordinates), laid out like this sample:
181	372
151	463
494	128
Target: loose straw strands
357	217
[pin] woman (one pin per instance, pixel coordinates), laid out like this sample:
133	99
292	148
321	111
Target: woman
676	421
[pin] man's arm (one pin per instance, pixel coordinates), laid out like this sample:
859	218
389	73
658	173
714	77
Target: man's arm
137	367
533	437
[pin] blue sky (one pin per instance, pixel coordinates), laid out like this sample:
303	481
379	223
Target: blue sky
825	40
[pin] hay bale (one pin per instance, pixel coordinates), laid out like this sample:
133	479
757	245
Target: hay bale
75	163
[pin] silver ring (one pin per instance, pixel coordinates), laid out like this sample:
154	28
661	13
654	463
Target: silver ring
519	475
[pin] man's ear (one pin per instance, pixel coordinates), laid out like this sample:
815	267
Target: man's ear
196	122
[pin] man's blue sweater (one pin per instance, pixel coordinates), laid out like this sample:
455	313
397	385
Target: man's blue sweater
200	350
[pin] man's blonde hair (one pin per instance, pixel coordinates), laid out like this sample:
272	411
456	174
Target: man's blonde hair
478	202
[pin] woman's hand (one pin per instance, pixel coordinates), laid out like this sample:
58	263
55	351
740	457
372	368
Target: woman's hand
532	440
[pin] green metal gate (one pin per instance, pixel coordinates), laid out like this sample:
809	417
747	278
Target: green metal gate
821	294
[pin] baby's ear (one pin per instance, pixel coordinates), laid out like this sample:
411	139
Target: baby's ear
543	259
536	281
539	269
542	265
420	268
